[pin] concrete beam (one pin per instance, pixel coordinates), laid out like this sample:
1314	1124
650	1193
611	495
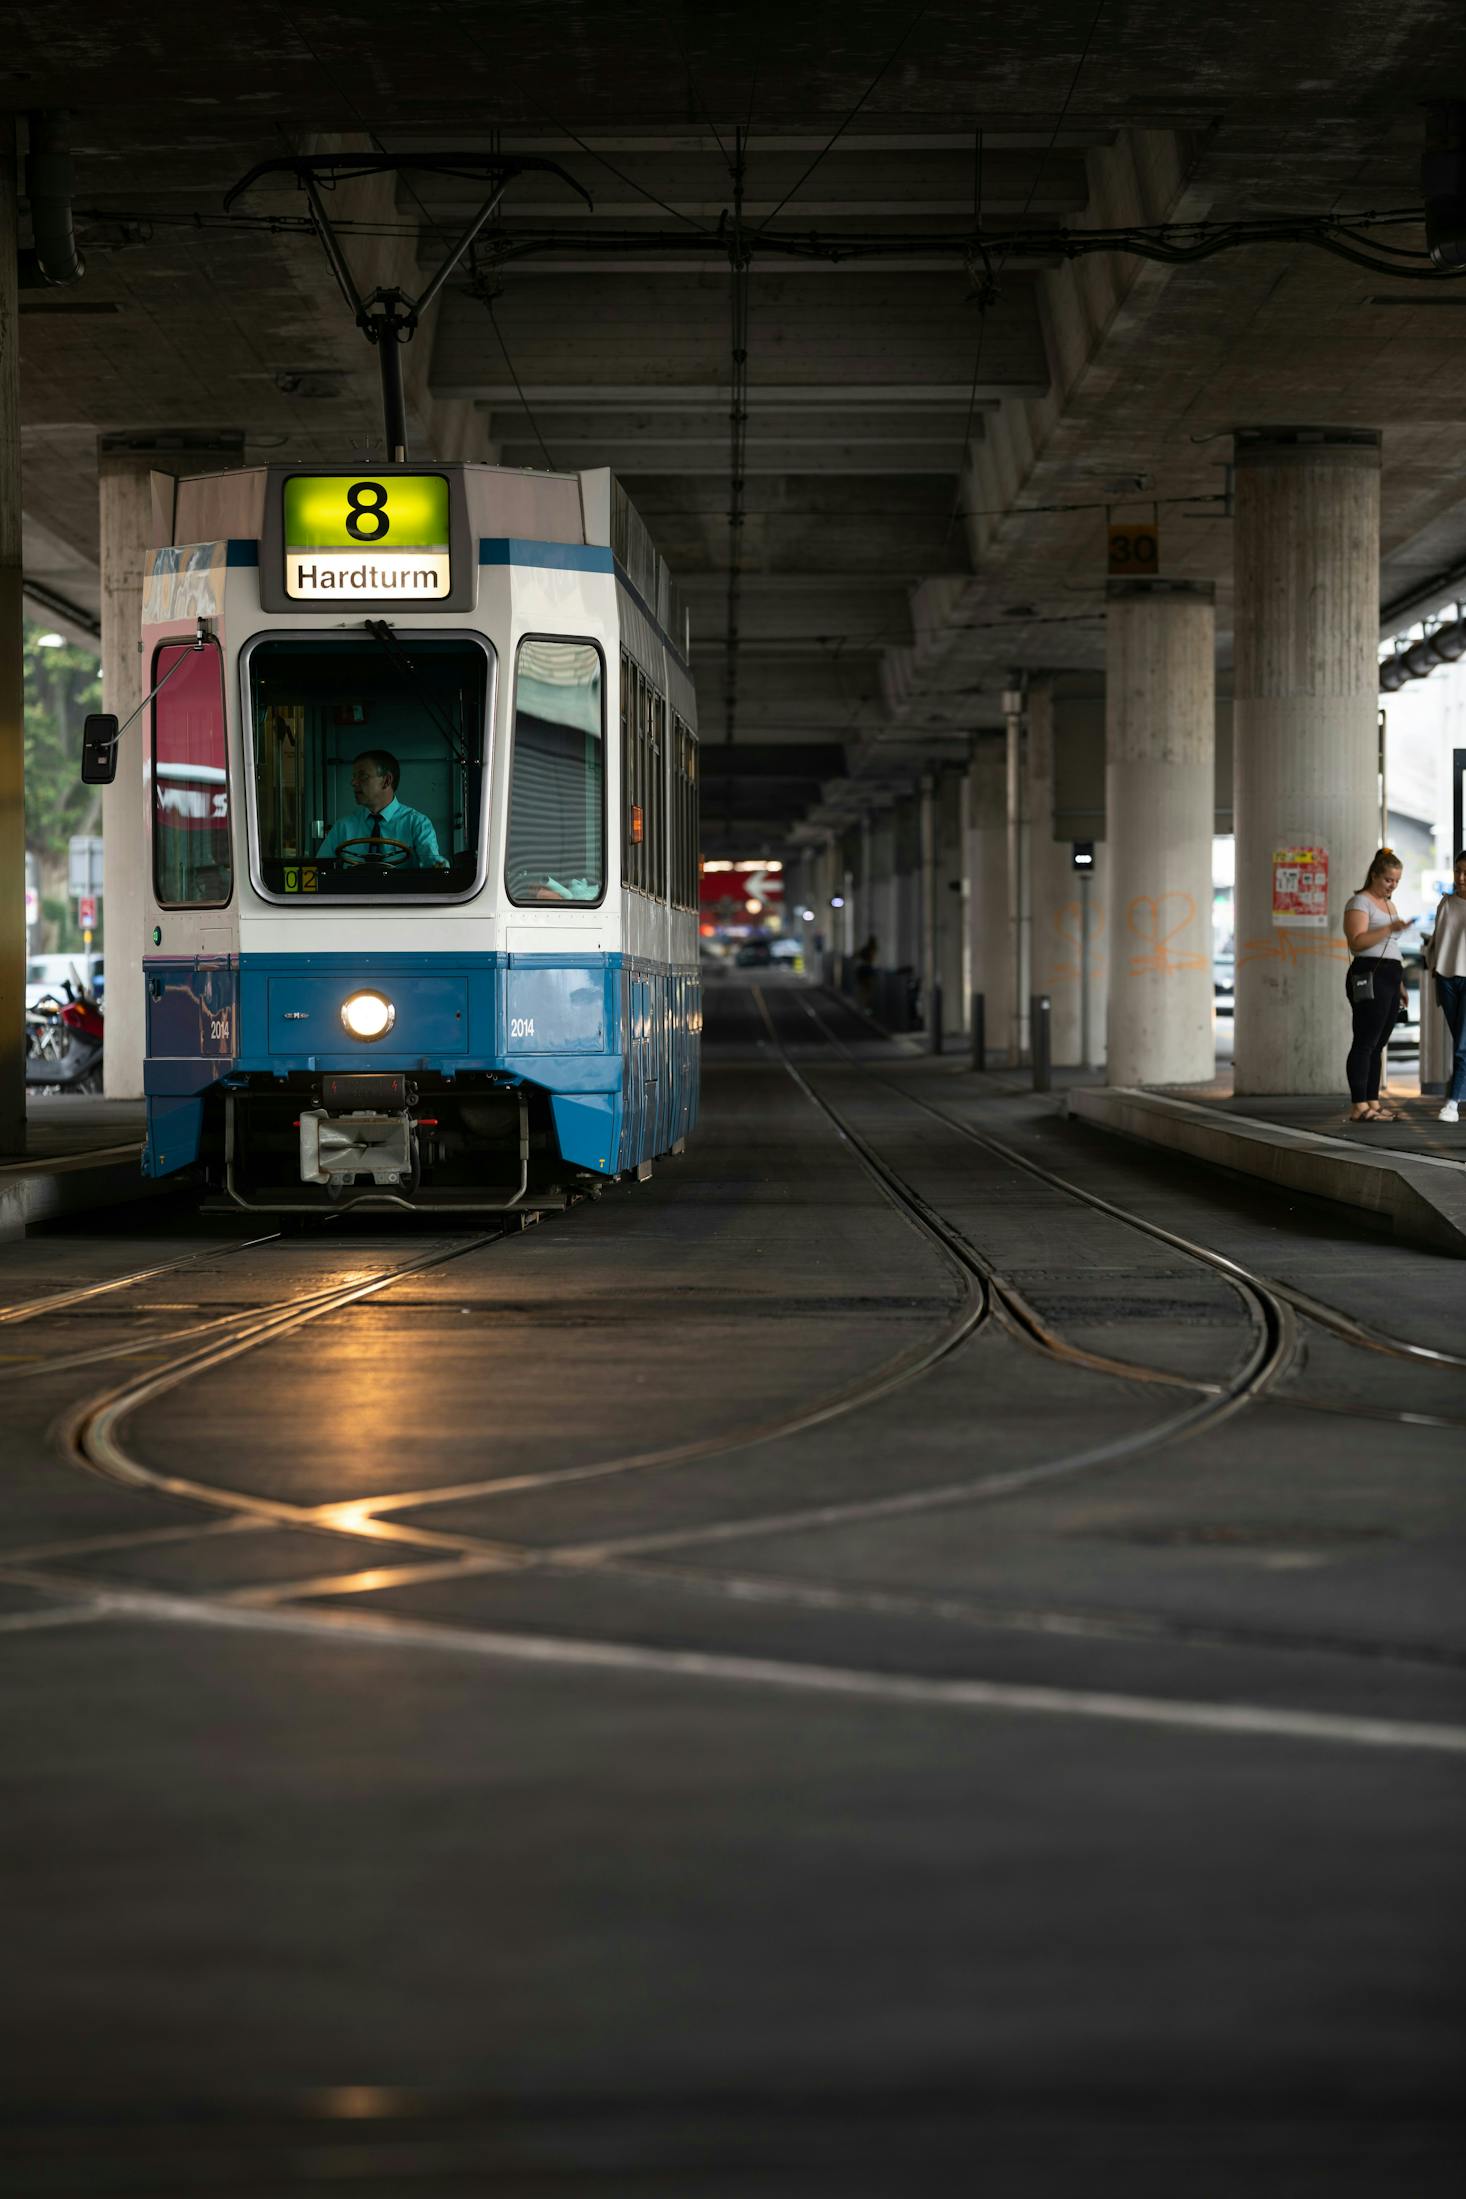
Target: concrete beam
694	462
900	331
870	182
663	433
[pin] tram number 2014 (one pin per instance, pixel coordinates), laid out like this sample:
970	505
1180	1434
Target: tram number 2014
521	1026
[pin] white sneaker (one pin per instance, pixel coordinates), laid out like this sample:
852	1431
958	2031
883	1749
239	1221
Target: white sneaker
1450	1112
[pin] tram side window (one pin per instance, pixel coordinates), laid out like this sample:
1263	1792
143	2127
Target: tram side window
676	813
684	816
694	834
656	879
557	829
192	864
635	827
644	767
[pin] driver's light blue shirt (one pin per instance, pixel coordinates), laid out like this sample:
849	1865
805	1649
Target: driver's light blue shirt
398	823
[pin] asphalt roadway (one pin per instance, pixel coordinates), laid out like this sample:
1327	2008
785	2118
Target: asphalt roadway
843	1669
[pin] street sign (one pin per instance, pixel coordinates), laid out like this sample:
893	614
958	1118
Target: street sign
1134	552
87	912
84	865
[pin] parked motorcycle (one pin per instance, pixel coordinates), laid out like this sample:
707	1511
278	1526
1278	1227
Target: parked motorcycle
63	1044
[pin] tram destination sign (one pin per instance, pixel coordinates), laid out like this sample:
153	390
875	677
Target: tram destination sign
367	537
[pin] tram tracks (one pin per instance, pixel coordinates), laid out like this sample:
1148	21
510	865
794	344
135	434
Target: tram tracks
94	1434
1331	1318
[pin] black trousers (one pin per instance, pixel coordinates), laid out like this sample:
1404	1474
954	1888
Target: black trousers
1373	1022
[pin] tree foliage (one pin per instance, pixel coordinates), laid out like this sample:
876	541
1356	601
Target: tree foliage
61	686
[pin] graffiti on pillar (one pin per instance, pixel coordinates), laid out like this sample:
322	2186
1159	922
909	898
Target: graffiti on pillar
1067	951
1157	921
1291	947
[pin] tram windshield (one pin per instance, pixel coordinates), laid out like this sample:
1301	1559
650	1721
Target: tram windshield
369	763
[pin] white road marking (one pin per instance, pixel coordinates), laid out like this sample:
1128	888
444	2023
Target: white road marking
67	1614
378	1631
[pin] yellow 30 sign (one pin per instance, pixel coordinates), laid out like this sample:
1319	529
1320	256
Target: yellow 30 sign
1135	552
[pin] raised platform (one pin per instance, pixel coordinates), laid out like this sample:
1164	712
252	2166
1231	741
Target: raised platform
80	1154
1388	1172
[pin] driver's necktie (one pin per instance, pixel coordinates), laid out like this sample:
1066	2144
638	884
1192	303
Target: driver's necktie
376	853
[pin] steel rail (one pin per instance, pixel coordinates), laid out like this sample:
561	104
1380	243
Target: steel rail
1327	1316
31	1309
95	1435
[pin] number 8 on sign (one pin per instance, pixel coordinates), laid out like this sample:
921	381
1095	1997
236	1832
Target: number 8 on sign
366	511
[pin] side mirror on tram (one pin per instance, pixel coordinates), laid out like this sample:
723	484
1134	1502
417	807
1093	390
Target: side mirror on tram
99	749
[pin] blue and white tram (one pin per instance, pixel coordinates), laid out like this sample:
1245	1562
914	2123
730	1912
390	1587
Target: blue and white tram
421	780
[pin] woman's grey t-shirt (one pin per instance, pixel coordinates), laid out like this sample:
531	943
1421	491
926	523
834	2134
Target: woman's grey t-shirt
1387	950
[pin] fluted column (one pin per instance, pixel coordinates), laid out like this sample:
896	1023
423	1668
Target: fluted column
1305	735
990	960
1160	741
1067	950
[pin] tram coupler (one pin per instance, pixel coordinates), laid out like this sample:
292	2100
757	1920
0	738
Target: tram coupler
336	1150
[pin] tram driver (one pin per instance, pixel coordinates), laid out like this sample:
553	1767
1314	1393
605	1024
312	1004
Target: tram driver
381	827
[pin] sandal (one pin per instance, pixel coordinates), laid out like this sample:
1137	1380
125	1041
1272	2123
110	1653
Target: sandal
1377	1114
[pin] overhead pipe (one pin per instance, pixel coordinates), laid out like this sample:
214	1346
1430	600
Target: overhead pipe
49	186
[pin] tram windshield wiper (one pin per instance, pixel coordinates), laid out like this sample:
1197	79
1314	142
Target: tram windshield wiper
382	634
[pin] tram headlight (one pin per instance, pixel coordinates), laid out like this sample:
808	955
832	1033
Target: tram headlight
368	1015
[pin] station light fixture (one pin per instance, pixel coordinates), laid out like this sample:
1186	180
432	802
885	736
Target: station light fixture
368	1015
837	900
807	915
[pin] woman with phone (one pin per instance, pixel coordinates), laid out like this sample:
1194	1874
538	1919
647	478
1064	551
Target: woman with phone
1446	961
1375	984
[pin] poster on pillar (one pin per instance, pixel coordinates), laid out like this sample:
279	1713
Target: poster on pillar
1301	888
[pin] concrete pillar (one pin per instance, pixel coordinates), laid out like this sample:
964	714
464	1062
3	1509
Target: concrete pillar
987	901
928	968
1067	948
969	887
908	874
951	896
12	678
883	922
1304	730
1160	737
1019	896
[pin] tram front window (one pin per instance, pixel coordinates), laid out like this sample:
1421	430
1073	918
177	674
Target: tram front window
369	764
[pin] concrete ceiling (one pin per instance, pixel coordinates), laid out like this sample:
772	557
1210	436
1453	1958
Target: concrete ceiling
893	567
